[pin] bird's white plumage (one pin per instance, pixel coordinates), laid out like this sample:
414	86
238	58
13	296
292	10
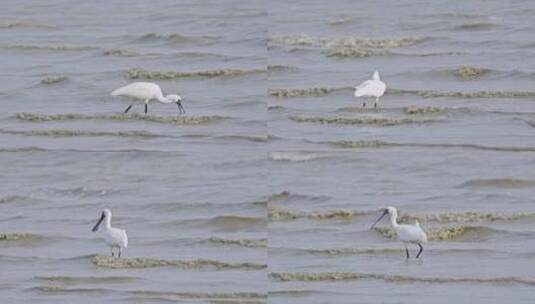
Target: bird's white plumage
115	237
411	234
371	88
140	90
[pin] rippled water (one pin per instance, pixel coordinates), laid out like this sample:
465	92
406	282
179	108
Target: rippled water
265	190
187	189
451	146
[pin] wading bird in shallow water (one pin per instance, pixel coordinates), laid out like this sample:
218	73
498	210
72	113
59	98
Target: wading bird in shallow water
408	234
145	92
371	88
115	237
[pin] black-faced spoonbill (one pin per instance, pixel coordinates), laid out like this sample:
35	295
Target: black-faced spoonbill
115	237
147	91
408	234
371	88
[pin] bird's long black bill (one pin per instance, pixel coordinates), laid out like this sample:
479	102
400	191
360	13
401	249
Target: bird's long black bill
95	228
180	108
379	219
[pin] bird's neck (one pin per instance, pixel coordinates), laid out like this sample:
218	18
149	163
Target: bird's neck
394	219
163	99
107	223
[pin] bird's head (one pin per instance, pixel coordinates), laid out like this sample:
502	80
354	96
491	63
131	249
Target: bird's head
106	214
178	100
388	210
174	98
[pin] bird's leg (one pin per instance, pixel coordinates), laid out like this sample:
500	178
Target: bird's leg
421	249
112	252
119	251
375	104
407	251
128	109
146	108
364	103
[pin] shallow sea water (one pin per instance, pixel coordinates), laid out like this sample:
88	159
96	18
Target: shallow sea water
264	192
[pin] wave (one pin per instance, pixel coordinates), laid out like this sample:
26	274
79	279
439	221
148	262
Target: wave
250	138
260	243
80	191
347	47
421	110
69	280
174	37
276	213
286	195
463	217
138	73
296	156
23	149
378	121
357	52
360	53
279	196
384	144
280	68
281	108
507	183
475	94
77	133
471	73
58	289
462	73
391	278
177	120
26	24
476	26
50	47
342	20
205	295
53	79
349	251
376	251
135	263
461	232
120	52
11	198
346	42
468	217
23	237
317	91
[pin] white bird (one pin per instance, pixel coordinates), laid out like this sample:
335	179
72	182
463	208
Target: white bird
408	234
146	91
115	237
371	88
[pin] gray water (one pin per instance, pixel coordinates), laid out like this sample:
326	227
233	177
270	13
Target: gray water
265	190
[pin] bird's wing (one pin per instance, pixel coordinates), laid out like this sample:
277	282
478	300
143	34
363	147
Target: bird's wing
370	88
363	85
118	237
141	90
